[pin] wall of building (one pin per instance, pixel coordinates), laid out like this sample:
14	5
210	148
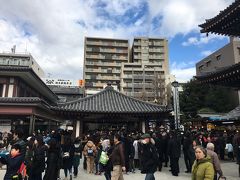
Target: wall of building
102	61
226	56
21	60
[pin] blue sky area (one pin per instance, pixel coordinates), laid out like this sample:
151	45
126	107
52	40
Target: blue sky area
54	31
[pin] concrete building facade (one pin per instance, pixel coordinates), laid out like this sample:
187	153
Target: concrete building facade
145	76
225	56
220	59
21	60
144	82
103	59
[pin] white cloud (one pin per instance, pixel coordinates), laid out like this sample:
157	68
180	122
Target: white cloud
184	16
203	39
53	31
206	53
183	75
183	71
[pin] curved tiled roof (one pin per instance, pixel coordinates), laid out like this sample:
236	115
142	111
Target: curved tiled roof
229	76
225	23
111	101
22	100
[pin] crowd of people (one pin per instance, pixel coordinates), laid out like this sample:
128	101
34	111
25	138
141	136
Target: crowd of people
43	154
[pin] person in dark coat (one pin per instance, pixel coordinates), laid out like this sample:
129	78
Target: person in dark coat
174	150
165	139
149	157
18	135
127	151
13	162
53	161
29	156
222	145
188	151
158	144
131	156
77	156
68	153
109	167
38	162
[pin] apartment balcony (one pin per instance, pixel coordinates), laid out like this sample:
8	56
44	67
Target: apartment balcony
156	57
108	57
107	78
137	57
156	50
156	43
100	43
138	85
140	94
135	43
146	77
93	70
95	56
137	50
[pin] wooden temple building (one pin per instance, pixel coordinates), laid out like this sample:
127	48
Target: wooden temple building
227	23
27	102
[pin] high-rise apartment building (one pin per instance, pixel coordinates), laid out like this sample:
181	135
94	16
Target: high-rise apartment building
151	51
143	82
145	77
103	59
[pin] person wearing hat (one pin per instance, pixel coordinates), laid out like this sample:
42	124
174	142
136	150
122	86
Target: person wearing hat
149	157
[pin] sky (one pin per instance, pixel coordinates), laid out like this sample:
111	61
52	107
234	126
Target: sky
53	31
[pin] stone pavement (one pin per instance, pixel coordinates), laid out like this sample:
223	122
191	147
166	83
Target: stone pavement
230	170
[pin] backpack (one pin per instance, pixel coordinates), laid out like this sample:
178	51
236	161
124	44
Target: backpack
21	173
90	152
103	158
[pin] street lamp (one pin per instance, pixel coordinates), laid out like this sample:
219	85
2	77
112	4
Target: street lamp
175	84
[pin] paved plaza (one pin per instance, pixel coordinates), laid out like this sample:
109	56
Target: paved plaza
230	170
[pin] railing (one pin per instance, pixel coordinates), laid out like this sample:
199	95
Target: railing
106	43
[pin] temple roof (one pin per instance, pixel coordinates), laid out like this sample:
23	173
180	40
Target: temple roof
26	101
227	22
227	76
30	78
111	101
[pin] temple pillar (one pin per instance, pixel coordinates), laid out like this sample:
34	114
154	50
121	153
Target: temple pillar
77	129
143	126
31	124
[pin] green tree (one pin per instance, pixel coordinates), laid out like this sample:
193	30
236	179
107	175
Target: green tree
196	96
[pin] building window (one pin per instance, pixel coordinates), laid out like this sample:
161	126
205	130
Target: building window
218	57
239	51
200	67
208	63
1	90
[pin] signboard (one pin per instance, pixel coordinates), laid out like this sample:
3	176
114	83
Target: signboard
63	82
210	126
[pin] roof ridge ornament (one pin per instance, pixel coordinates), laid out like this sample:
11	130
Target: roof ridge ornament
109	86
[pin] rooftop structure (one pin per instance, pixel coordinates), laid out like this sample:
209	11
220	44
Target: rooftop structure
21	60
